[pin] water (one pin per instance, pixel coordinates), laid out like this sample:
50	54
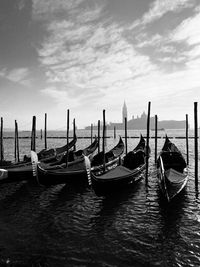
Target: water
72	226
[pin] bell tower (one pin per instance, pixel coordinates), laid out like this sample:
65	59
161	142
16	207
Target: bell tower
124	112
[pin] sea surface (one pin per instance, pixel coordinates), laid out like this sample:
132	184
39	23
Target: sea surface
72	226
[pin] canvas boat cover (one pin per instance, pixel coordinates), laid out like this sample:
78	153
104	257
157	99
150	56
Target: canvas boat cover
116	173
174	176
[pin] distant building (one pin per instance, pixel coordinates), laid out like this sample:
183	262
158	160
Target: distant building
140	123
124	113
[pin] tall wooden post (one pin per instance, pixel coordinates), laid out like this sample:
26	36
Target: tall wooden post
45	131
67	137
125	122
16	143
196	144
147	146
33	134
187	145
1	141
103	143
105	137
74	132
156	136
114	132
98	134
91	136
15	149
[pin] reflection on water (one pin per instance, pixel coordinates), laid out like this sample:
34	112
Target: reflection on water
72	226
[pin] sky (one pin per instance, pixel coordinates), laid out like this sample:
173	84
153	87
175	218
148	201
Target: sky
90	55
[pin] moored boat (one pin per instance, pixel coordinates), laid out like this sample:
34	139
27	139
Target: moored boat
23	170
48	155
129	171
74	170
108	159
172	170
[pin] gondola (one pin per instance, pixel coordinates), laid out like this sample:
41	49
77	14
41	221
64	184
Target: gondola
109	159
74	170
172	170
47	155
22	170
129	171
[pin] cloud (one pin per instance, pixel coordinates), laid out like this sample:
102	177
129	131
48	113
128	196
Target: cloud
176	48
96	64
88	63
159	8
19	75
187	35
91	14
92	62
194	52
188	31
145	41
46	9
3	72
21	4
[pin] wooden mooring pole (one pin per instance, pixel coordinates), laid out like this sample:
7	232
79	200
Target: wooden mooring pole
156	136
1	141
98	135
103	142
91	136
33	134
125	122
147	145
74	132
196	145
114	132
187	144
16	143
45	131
67	137
105	137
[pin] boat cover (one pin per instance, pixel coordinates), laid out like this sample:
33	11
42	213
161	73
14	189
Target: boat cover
174	176
116	173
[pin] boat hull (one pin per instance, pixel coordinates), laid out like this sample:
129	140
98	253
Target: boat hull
116	179
75	173
70	177
16	173
172	170
129	170
172	182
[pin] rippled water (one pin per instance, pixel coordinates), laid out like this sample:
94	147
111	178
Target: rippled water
65	226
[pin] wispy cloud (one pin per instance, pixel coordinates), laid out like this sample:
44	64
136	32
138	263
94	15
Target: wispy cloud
92	62
188	31
188	35
21	4
176	48
19	75
46	9
159	8
143	40
91	14
97	64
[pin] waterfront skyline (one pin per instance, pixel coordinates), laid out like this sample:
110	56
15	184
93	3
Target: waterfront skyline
90	55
